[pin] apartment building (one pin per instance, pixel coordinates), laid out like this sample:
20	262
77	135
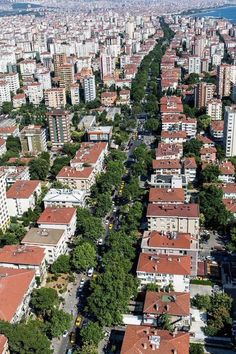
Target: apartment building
81	178
169	151
65	198
172	243
13	81
4	214
14	173
203	93
229	137
101	133
166	196
89	88
24	257
33	139
179	122
214	109
66	75
194	65
74	94
166	167
190	168
176	218
59	127
34	92
3	147
173	137
108	99
55	97
22	196
164	270
18	100
5	93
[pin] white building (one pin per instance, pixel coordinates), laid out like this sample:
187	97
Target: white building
214	109
4	215
74	93
28	67
43	76
64	198
230	131
164	270
60	219
3	147
13	81
89	88
53	240
35	93
22	196
5	93
194	65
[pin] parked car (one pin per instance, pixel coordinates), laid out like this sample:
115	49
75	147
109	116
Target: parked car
90	272
65	334
78	321
72	337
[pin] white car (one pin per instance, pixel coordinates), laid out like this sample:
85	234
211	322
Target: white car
100	241
90	272
81	284
65	334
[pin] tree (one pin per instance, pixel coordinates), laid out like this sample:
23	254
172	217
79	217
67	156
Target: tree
210	174
192	148
231	245
132	191
25	338
58	164
213	208
70	149
153	287
201	302
38	169
92	334
13	144
193	78
58	322
88	225
103	204
84	256
152	125
61	265
87	349
44	300
7	107
204	122
196	348
45	156
165	321
75	119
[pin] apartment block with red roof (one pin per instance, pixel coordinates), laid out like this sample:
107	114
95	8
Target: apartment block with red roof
217	130
179	122
171	104
60	219
208	154
190	168
174	218
91	155
16	286
173	137
166	167
81	178
108	99
229	190
22	196
169	151
227	172
149	340
172	243
11	130
164	270
166	196
24	257
3	147
174	304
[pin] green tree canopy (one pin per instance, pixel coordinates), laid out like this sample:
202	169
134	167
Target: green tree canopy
196	348
88	225
13	144
38	169
44	300
84	256
103	204
210	174
192	147
92	334
152	125
61	265
58	322
203	122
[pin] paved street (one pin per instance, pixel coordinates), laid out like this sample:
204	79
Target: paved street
71	300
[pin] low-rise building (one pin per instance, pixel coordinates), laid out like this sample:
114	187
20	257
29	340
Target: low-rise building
169	151
33	139
24	257
108	98
164	270
169	181
217	130
22	196
87	122
14	173
64	198
173	218
54	241
149	340
227	172
229	190
190	168
3	147
16	286
11	130
174	304
173	137
59	218
101	133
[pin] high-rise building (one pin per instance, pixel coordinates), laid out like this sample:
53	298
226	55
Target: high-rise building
55	97
214	109
59	127
58	60
203	93
12	79
229	138
66	75
74	93
106	67
33	139
225	77
5	93
89	88
194	65
4	215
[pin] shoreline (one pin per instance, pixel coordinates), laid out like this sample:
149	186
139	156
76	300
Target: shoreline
207	9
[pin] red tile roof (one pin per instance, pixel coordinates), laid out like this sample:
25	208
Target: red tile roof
166	164
14	284
190	162
227	168
8	130
89	153
138	340
3	343
172	303
170	210
228	188
165	149
173	134
230	205
166	195
217	125
22	189
17	254
175	240
74	173
164	264
57	216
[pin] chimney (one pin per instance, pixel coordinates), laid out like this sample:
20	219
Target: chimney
144	345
